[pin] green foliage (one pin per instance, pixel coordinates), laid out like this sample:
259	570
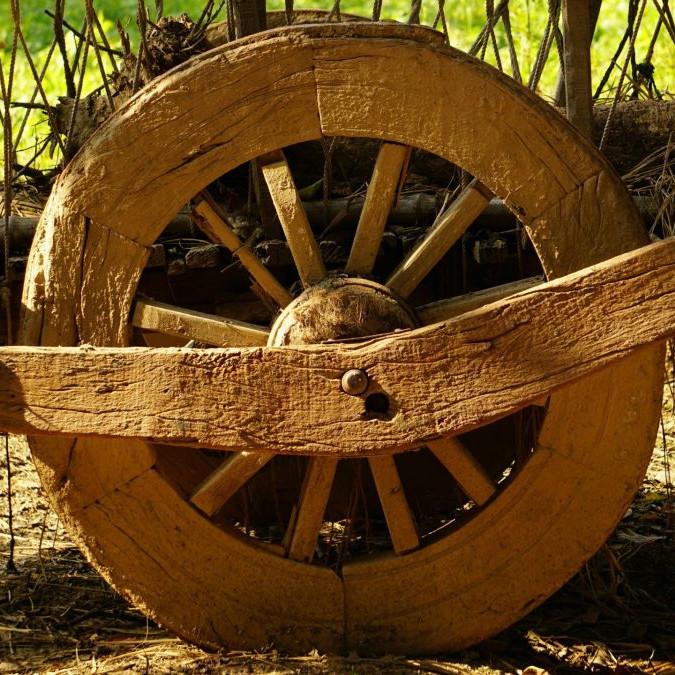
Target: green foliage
464	21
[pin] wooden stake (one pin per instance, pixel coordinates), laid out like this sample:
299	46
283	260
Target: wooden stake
577	41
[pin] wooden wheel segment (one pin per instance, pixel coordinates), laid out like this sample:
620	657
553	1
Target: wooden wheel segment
162	544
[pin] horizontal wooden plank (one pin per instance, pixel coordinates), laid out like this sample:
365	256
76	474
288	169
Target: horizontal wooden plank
440	380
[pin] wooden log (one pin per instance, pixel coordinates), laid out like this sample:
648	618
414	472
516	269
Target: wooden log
157	257
440	380
637	129
200	257
560	94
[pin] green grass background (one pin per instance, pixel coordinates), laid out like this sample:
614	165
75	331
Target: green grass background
465	19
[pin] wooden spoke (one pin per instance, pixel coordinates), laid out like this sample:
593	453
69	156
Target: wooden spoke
301	241
311	507
449	227
220	486
452	307
191	325
464	468
218	230
397	512
382	190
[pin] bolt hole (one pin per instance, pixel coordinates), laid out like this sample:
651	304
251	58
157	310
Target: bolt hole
377	403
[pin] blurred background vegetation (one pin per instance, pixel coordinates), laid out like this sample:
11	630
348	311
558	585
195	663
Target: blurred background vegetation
464	19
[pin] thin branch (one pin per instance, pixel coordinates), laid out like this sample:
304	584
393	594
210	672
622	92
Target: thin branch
61	41
72	29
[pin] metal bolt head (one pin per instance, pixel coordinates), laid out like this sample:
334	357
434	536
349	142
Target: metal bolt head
354	382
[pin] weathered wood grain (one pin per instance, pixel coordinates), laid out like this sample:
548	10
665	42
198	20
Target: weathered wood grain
444	379
144	535
249	98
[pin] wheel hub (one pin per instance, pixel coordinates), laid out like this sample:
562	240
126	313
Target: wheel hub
341	309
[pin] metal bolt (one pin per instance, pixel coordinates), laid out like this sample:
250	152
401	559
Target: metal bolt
354	382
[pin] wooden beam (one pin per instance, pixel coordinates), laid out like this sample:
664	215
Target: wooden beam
560	93
249	17
442	380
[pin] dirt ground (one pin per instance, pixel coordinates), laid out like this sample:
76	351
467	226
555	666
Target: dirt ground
617	615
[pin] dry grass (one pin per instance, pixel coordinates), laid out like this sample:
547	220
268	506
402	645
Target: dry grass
653	180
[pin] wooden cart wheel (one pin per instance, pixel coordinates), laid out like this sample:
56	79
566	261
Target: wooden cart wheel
247	100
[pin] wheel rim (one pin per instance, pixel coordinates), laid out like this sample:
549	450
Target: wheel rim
299	84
